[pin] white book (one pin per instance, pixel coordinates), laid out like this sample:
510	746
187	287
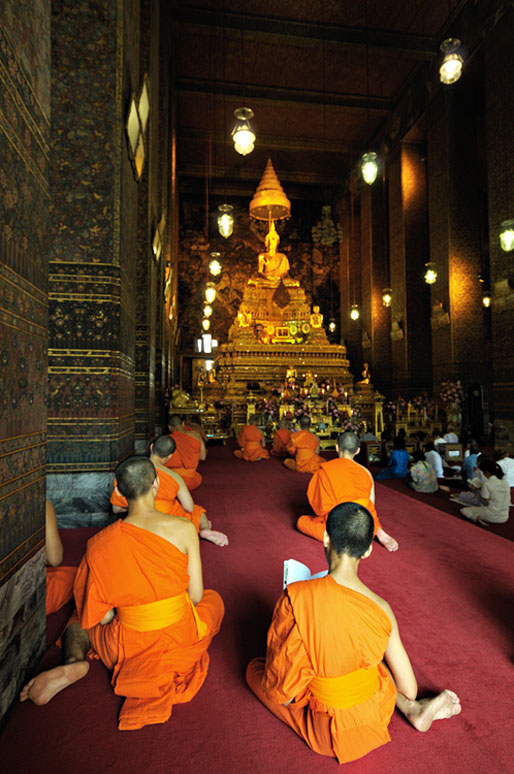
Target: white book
297	571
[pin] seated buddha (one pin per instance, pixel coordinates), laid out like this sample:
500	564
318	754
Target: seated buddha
273	265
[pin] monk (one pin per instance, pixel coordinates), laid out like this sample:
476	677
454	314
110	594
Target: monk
323	674
173	496
252	442
190	449
59	580
304	446
141	606
281	439
338	481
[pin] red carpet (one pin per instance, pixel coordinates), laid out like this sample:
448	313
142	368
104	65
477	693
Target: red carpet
450	584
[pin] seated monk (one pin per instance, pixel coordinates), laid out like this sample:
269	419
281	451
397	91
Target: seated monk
173	497
304	446
190	449
339	481
281	439
252	443
59	580
141	606
323	674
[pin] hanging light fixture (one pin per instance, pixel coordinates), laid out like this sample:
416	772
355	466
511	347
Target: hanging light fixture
451	66
369	167
206	324
207	343
355	313
430	273
207	310
507	236
487	299
214	264
225	220
210	292
243	133
387	297
332	325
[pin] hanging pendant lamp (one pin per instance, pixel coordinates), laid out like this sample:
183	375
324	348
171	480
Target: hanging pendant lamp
243	133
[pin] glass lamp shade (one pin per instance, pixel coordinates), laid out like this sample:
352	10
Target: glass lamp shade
206	324
451	66
387	297
210	293
225	220
369	167
486	299
207	310
332	325
214	265
355	313
507	236
430	273
243	134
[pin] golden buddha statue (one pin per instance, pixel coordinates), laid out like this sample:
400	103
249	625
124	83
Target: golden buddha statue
272	265
316	317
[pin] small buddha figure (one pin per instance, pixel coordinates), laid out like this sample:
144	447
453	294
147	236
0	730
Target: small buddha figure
366	379
272	265
291	373
315	390
316	317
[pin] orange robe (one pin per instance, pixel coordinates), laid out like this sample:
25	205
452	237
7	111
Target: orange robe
126	565
250	441
281	440
165	501
59	587
308	639
337	481
185	458
303	446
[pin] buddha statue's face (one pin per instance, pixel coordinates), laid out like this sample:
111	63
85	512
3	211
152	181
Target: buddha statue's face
316	309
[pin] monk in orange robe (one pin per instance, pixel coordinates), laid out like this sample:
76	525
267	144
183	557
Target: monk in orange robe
190	449
59	580
338	481
142	607
173	497
304	446
252	443
323	674
281	439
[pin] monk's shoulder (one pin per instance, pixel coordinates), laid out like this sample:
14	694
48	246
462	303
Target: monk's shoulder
382	603
104	537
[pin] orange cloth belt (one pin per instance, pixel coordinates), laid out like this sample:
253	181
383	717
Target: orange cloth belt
347	690
252	445
159	614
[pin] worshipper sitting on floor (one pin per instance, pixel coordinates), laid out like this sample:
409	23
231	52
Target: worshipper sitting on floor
472	495
173	496
469	462
190	450
422	477
304	447
506	463
59	580
398	462
281	439
450	436
252	442
434	459
338	481
494	496
323	673
141	606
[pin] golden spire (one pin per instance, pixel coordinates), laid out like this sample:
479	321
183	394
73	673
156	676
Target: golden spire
270	201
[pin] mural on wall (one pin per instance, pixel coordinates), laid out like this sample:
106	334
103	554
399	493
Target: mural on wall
315	266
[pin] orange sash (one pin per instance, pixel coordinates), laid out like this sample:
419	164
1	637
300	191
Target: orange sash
347	690
160	614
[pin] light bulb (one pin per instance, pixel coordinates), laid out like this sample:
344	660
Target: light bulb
332	326
214	265
369	167
243	133
507	236
387	297
225	220
206	324
451	66
486	299
355	314
430	273
210	293
207	310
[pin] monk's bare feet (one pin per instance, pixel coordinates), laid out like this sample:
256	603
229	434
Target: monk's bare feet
218	538
46	685
422	713
387	541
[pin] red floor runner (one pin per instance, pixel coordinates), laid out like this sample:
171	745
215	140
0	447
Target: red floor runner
450	584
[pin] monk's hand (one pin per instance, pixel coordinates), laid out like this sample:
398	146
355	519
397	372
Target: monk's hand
107	617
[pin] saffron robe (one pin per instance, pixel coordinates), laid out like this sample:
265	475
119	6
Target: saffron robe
250	441
281	440
322	629
59	587
125	565
185	458
304	446
165	501
337	481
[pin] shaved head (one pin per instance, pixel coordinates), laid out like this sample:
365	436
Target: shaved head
305	421
135	477
175	420
350	528
163	446
348	442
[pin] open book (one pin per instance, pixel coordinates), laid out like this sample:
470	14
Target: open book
297	571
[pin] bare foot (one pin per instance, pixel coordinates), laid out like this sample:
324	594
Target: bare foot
46	685
444	488
218	538
425	711
387	541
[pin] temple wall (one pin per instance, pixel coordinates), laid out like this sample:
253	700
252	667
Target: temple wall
24	202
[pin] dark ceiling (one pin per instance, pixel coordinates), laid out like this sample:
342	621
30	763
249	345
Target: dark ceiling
321	77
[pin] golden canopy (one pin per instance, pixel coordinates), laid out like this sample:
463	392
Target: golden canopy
270	201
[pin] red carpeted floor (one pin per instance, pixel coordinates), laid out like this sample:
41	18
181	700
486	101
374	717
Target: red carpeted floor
451	585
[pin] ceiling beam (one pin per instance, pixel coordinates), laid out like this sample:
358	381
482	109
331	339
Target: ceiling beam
422	46
275	93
